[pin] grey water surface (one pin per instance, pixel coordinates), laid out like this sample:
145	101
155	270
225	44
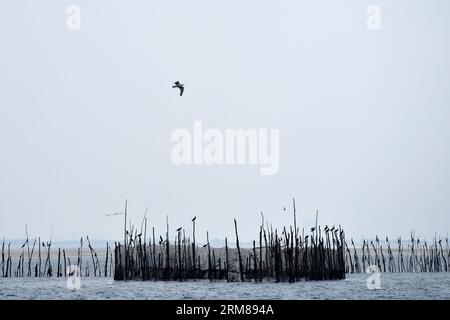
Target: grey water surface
392	286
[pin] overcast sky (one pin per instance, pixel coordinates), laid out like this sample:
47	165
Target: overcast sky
86	116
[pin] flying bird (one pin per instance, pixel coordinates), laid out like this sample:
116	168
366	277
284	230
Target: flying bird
113	214
205	245
180	86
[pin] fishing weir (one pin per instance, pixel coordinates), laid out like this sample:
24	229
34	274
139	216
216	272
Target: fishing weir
286	255
280	256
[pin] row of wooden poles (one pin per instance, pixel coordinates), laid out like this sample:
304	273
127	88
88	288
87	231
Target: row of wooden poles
271	259
413	255
36	260
279	256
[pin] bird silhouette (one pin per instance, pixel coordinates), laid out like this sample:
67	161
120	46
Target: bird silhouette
284	209
205	246
193	219
178	230
180	86
113	214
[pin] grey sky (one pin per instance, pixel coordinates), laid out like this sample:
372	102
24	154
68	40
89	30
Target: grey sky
86	116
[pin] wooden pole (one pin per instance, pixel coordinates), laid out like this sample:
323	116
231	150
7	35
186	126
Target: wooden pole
179	255
8	262
125	242
3	258
39	239
106	259
255	265
209	257
260	253
241	271
31	258
226	260
28	251
193	249
59	263
92	256
167	250
154	253
65	265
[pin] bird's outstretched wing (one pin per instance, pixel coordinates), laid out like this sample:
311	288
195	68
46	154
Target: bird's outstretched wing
181	91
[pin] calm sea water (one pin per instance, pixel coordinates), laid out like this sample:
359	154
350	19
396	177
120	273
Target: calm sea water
393	286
